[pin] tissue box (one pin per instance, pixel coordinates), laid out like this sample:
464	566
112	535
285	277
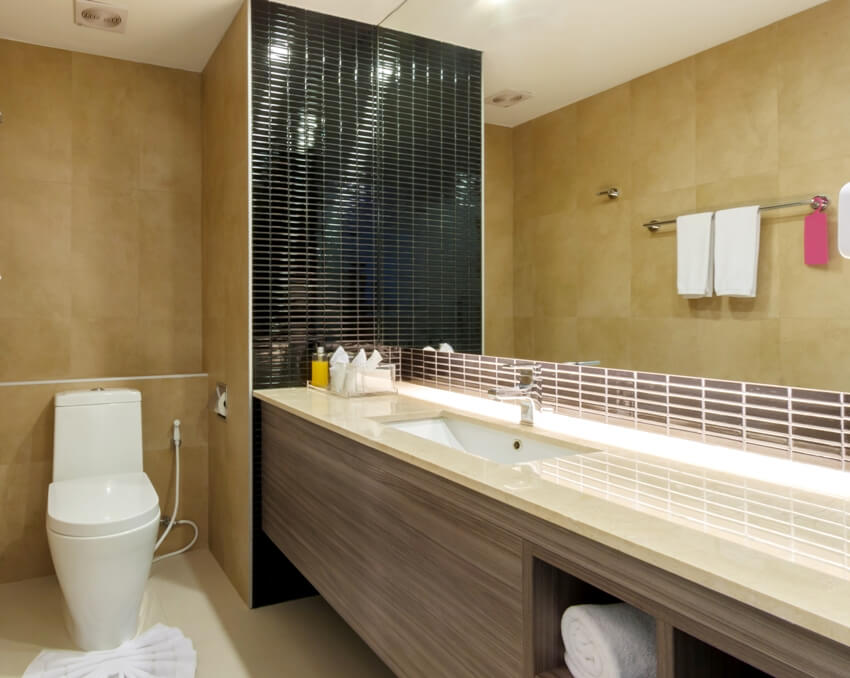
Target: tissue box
378	380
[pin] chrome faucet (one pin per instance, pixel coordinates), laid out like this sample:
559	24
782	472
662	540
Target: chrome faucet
524	393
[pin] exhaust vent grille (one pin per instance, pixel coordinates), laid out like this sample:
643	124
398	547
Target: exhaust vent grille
93	14
507	98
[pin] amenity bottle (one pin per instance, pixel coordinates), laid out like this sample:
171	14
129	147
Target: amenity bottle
319	375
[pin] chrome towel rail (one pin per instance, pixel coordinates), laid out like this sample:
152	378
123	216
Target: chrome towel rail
817	202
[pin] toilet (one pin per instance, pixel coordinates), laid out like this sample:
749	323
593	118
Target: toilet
102	514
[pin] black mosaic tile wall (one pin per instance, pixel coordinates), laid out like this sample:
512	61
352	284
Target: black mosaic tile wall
429	192
366	206
805	425
366	180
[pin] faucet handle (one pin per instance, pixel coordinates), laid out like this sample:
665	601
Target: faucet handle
526	374
534	368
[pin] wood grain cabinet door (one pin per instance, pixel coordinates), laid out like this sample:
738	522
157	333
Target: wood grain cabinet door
405	557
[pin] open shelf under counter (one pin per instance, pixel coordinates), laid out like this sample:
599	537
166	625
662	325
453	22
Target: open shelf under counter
555	673
550	590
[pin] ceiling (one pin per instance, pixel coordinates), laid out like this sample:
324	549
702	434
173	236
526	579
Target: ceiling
176	33
559	50
565	50
367	11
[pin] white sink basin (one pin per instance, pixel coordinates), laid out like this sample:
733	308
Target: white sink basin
504	446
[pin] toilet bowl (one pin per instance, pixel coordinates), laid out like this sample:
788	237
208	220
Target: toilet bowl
102	514
101	531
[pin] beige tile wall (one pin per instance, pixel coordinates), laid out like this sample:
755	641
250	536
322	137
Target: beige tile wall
100	257
498	241
26	452
763	117
227	356
100	185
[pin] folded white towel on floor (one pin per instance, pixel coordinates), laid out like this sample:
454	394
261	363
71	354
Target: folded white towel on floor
609	641
694	255
736	251
159	652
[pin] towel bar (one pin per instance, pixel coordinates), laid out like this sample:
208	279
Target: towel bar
817	202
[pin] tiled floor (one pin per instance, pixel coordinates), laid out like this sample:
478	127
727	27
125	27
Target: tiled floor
301	639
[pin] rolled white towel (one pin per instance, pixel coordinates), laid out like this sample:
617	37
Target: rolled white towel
609	641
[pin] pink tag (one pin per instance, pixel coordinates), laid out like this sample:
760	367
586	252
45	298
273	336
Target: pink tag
816	240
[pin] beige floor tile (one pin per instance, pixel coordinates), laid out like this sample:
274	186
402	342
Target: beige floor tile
301	639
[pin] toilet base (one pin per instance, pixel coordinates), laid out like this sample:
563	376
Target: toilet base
103	581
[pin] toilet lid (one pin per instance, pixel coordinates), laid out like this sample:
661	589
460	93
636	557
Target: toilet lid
101	505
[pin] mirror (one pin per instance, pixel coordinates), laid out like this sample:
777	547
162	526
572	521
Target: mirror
620	100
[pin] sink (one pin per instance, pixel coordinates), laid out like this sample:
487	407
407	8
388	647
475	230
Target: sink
504	446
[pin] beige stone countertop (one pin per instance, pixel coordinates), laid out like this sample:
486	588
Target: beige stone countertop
769	532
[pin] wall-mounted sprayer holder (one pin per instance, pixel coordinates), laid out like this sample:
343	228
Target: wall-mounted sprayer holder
613	193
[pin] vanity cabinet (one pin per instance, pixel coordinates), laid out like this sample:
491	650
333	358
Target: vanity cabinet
441	580
411	561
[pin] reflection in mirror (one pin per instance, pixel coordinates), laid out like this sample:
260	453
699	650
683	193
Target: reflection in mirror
571	275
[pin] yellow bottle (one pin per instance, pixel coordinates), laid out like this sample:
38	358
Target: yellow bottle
319	373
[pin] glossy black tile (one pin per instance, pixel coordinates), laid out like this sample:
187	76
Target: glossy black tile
366	189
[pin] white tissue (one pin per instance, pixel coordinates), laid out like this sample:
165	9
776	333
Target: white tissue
429	348
339	356
446	348
374	360
338	367
353	378
337	375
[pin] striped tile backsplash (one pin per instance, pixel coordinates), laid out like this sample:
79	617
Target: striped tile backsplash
801	424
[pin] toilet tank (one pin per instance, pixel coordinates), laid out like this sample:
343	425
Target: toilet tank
97	432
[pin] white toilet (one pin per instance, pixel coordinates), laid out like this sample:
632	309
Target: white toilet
102	514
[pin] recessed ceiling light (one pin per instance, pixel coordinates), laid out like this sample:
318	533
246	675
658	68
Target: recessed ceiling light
96	14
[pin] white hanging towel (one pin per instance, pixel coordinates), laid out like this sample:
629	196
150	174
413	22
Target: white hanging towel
694	255
736	251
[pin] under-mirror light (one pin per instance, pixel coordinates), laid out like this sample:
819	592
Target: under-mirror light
279	51
307	131
388	70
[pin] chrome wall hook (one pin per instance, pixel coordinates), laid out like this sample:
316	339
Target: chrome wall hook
613	193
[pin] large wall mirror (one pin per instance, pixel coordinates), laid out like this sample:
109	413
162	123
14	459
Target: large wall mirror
719	106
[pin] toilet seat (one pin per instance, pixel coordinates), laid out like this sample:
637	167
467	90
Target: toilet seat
98	506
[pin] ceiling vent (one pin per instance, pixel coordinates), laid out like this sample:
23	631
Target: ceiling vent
507	98
95	14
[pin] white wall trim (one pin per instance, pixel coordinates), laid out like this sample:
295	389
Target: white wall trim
148	377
